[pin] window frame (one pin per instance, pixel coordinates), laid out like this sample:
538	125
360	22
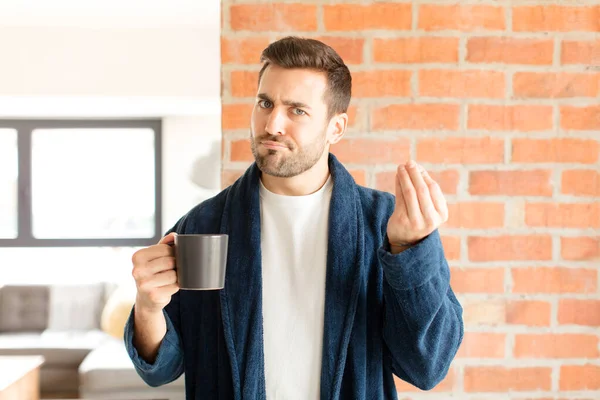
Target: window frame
24	128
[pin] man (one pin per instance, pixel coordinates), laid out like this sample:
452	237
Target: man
330	287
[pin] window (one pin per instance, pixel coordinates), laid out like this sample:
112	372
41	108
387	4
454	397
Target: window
80	183
9	168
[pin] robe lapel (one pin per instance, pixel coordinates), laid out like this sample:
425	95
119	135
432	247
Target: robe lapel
343	279
241	298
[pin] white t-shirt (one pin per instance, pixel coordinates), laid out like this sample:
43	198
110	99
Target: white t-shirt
294	236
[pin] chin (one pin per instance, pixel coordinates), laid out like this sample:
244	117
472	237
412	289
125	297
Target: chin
269	166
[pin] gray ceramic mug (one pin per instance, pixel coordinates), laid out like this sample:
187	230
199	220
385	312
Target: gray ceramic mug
201	261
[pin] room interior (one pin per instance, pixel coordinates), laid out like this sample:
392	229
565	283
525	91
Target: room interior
105	92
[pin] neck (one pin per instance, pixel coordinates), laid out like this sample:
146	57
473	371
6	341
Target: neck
307	182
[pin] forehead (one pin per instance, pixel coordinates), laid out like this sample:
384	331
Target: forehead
302	85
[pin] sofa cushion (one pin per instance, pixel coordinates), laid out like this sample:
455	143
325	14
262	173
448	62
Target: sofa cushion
23	308
109	368
117	310
76	306
58	348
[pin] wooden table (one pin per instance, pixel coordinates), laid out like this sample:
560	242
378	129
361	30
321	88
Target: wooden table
20	377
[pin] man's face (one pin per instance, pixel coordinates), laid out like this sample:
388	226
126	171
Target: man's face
289	125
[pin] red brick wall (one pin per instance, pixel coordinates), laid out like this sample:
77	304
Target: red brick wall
500	100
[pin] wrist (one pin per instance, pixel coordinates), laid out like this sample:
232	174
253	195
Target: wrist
399	248
144	311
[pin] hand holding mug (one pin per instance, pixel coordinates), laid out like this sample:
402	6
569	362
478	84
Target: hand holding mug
154	271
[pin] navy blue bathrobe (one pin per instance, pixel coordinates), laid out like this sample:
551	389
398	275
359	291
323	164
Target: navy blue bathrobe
384	313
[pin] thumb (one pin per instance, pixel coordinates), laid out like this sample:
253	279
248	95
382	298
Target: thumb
170	238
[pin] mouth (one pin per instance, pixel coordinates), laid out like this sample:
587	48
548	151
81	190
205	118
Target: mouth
273	145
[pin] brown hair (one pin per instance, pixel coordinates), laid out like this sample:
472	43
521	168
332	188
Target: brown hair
295	52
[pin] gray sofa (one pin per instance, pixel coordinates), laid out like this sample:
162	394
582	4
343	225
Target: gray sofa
62	323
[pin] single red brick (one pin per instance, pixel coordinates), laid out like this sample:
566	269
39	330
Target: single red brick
509	248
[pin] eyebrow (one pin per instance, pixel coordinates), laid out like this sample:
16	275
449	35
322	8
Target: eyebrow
264	96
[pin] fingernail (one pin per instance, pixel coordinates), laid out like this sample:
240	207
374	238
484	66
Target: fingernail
411	164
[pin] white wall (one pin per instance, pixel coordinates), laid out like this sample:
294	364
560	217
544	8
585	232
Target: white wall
82	61
109	58
191	164
65	59
110	48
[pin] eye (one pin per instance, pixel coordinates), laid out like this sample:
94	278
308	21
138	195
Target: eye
298	111
264	104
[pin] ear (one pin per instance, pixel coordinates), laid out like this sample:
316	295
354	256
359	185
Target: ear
337	128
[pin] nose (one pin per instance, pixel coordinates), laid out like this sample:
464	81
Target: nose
275	123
